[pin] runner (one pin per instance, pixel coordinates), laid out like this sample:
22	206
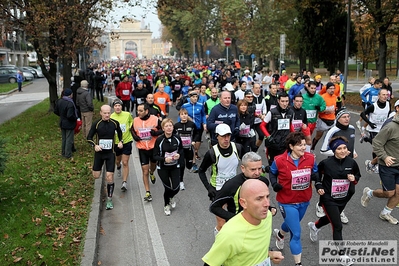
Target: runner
335	184
290	175
245	239
123	155
168	150
224	158
146	129
186	129
104	129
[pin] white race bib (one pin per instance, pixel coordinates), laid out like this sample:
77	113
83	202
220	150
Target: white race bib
105	144
283	124
311	113
300	179
339	188
125	92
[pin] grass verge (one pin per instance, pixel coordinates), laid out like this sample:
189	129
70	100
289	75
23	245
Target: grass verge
7	87
44	199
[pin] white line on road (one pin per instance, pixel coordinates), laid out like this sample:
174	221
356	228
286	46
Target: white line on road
157	244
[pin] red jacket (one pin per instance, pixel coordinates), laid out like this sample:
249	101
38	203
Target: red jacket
301	189
123	91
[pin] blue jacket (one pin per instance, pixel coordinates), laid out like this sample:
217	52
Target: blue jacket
294	90
196	112
370	95
220	114
20	78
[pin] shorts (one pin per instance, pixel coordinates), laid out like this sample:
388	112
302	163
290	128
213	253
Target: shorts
389	177
146	156
108	158
198	135
126	149
311	127
322	126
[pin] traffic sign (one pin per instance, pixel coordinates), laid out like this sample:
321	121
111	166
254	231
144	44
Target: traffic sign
208	52
227	41
253	56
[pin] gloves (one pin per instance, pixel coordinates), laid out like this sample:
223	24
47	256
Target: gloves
277	187
118	96
372	125
211	193
136	138
317	108
153	132
269	141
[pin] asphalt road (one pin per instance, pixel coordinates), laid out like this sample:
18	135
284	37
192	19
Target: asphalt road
139	233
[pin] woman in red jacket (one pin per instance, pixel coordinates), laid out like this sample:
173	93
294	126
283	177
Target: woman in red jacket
123	91
290	175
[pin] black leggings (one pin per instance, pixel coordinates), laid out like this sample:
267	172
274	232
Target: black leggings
186	162
126	105
333	216
171	180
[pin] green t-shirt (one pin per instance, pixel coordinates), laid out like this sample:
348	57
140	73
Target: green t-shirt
241	243
125	121
289	84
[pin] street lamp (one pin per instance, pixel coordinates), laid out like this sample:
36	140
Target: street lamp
348	25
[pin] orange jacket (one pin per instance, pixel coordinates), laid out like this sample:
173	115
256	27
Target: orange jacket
142	129
331	105
162	99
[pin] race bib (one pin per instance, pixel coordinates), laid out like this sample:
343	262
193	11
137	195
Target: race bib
140	100
380	119
221	179
374	98
297	124
186	141
258	112
283	124
330	108
161	100
311	113
272	106
177	87
125	92
123	127
339	188
117	78
145	133
170	154
245	131
105	144
266	262
300	179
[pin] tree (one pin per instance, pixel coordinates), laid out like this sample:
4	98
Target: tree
385	19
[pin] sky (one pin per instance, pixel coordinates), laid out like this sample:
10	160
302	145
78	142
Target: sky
151	18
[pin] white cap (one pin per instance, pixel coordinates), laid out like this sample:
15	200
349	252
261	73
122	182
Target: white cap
177	75
228	87
222	129
246	71
396	103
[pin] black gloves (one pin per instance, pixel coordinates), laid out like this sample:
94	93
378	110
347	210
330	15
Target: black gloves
277	187
269	141
154	132
372	125
136	138
211	192
317	108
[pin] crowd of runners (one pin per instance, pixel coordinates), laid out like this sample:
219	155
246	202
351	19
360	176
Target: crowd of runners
233	111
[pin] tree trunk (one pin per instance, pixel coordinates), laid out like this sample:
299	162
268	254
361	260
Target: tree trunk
302	60
272	64
397	58
382	54
67	71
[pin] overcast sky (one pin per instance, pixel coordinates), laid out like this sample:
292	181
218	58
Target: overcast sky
151	18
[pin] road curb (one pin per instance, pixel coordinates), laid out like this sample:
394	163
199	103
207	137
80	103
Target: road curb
90	250
14	90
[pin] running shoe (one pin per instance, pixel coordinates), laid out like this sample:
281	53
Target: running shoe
172	203
369	166
362	138
215	231
124	187
346	260
152	177
319	211
365	197
148	197
119	170
375	169
344	219
279	240
388	217
182	187
194	169
313	231
166	209
359	125
109	205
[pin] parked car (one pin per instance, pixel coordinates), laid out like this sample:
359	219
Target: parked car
39	72
8	75
30	69
28	76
